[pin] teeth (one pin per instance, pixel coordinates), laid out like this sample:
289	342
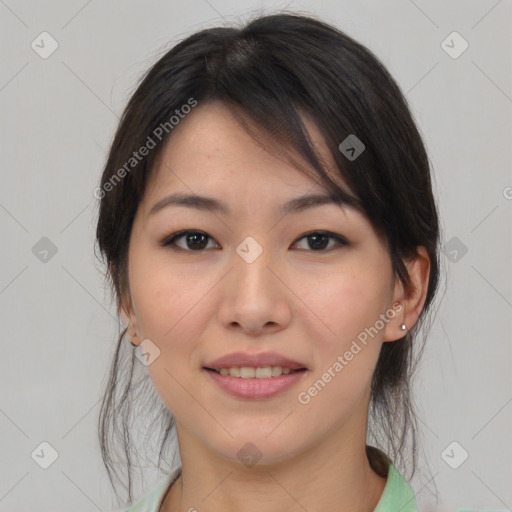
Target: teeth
246	372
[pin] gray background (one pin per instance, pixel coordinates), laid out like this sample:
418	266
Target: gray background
57	323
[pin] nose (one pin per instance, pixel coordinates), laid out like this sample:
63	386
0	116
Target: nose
256	299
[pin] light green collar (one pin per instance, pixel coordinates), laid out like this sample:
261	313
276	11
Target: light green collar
397	496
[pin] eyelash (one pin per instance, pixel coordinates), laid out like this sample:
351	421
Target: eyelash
170	240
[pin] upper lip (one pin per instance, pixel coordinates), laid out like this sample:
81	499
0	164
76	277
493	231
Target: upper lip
241	359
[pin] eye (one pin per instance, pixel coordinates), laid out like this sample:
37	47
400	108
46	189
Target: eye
320	239
196	241
193	239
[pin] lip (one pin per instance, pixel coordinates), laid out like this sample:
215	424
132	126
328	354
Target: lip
254	360
255	388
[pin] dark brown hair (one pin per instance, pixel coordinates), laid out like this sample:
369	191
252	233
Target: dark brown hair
269	71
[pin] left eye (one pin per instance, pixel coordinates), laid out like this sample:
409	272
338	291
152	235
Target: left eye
317	240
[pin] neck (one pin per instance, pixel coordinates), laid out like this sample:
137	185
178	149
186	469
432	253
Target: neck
321	479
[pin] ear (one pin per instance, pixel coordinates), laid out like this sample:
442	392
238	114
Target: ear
125	316
126	312
412	299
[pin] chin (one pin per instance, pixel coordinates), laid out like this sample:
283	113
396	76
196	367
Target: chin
255	450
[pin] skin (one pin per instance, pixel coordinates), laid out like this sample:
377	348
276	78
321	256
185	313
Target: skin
304	303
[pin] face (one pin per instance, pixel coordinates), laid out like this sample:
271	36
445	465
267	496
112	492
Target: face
254	280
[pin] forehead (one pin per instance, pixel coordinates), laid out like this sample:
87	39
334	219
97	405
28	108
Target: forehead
211	155
212	142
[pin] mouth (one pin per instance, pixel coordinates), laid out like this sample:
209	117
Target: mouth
260	372
255	375
255	383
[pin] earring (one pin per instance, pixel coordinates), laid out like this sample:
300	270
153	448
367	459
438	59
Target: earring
403	327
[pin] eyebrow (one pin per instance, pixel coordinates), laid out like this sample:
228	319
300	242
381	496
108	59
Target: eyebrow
210	204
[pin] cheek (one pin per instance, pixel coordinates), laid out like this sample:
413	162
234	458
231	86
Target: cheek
345	305
173	309
344	325
345	355
170	310
167	299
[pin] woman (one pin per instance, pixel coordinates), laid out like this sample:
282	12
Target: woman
271	237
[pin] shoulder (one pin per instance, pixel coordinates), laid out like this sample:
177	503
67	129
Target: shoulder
397	495
151	502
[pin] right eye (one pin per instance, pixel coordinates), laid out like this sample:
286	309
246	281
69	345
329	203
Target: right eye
195	241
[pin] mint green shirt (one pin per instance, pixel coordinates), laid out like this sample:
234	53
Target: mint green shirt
398	495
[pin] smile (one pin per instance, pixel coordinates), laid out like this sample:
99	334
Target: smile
248	372
255	383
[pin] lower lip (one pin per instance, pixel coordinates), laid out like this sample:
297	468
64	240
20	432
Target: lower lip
255	388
